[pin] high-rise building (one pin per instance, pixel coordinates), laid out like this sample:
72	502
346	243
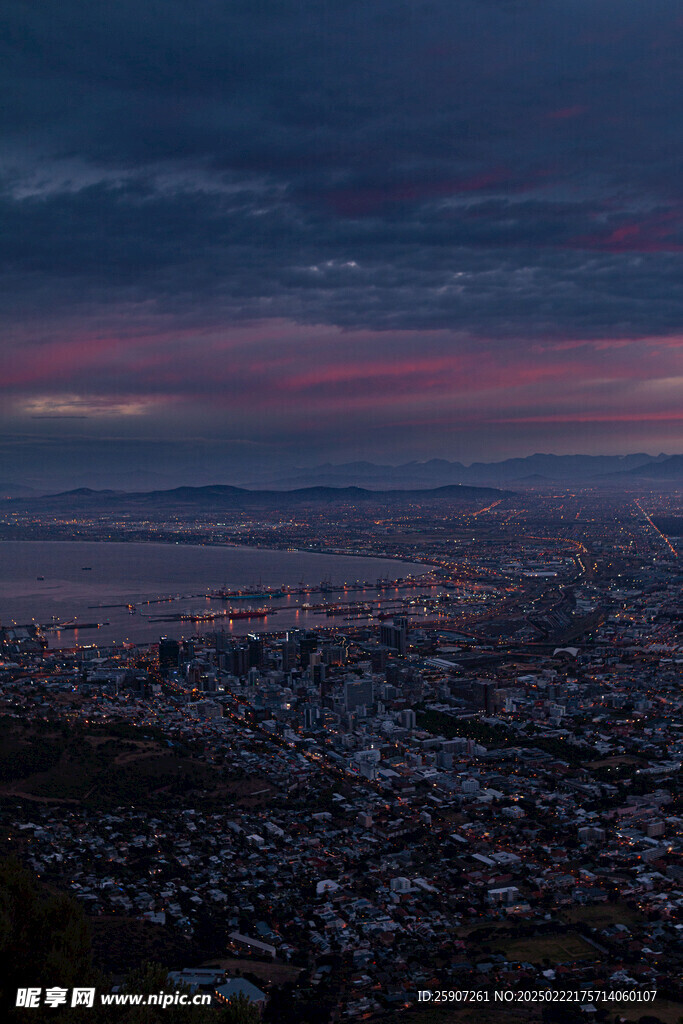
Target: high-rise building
312	717
395	635
334	654
255	641
318	674
287	655
357	693
378	658
169	654
484	694
308	643
237	659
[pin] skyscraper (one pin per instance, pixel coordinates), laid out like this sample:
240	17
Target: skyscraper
169	653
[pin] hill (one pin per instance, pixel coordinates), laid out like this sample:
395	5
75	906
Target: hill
225	496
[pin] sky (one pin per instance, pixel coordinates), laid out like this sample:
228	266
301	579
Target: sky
276	233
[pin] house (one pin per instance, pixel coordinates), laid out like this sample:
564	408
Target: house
237	987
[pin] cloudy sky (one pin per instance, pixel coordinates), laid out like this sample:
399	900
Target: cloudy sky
291	231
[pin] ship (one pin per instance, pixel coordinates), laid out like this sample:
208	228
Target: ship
59	626
240	595
230	613
257	613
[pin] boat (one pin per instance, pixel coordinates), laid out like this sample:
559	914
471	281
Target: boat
59	626
258	613
241	595
230	613
40	577
86	568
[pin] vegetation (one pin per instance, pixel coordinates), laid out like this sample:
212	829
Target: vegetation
441	724
45	943
104	767
44	940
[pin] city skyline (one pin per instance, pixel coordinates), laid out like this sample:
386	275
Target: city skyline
258	237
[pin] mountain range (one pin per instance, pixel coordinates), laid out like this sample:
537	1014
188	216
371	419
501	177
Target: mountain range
531	471
534	469
225	497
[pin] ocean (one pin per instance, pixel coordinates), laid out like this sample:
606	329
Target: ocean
73	581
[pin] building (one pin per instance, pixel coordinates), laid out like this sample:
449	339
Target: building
395	635
507	895
470	786
400	884
237	987
357	693
256	646
169	654
308	644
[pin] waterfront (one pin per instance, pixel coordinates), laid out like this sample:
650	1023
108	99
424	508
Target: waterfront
94	582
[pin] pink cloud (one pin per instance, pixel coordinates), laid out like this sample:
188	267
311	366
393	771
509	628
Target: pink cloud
274	375
607	417
658	233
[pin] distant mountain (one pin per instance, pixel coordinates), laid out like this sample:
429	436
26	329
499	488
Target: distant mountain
570	468
224	496
532	471
435	473
440	472
670	468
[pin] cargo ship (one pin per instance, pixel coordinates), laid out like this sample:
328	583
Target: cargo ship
59	626
256	613
241	595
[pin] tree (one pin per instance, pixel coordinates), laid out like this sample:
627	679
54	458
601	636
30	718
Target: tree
44	941
240	1011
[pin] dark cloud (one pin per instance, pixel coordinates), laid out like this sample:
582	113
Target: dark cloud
501	174
498	266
